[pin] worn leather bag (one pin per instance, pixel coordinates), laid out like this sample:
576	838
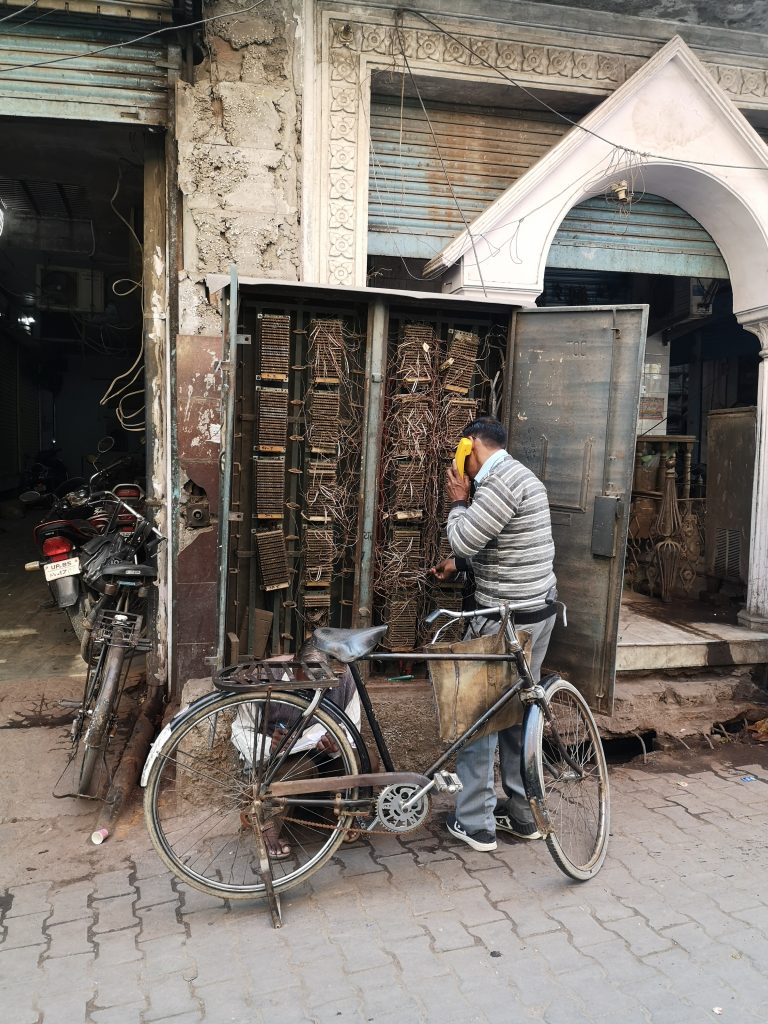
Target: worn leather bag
464	690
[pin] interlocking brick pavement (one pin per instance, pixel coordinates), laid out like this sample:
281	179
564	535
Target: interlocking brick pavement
419	928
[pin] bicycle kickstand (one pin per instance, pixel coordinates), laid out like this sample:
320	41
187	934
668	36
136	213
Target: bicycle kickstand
265	868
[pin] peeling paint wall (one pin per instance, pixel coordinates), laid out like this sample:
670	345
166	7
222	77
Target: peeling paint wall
239	136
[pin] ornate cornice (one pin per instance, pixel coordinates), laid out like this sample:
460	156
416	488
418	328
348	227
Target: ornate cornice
760	329
351	44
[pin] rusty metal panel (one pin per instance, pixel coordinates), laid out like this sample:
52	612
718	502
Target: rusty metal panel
44	71
731	440
572	398
411	207
196	462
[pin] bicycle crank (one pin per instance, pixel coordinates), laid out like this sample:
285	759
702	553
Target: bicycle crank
391	810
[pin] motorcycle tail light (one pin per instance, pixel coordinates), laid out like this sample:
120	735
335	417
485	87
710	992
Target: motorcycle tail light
57	548
129	492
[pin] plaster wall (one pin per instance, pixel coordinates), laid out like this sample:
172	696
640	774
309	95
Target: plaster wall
238	128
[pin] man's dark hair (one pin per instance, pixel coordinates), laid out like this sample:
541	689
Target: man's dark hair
315	662
488	429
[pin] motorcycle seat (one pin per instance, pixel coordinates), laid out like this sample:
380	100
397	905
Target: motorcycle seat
147	572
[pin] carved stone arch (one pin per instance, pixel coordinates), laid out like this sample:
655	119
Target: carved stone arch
673	130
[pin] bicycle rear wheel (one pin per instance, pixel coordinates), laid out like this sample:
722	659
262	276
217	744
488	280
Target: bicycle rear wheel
566	780
207	794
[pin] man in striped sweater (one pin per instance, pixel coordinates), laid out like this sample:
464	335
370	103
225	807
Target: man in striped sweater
504	534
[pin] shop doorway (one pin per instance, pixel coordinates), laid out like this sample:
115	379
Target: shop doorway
71	304
71	293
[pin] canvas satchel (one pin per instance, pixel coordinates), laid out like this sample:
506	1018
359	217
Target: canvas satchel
464	690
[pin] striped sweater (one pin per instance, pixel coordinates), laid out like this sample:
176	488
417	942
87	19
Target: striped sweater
506	534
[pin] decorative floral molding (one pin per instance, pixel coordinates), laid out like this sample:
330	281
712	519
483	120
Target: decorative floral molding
350	42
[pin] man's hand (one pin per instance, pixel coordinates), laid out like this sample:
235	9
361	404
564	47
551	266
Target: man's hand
327	745
456	486
444	570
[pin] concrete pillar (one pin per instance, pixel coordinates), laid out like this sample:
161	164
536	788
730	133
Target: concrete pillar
755	615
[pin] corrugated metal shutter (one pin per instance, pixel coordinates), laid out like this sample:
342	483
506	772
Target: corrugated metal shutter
652	236
153	10
126	84
411	211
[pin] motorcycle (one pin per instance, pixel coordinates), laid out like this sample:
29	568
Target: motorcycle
46	474
77	514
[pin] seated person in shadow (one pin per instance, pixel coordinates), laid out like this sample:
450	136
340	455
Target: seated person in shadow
313	753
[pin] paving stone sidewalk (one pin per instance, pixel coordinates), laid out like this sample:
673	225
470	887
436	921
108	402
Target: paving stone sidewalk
674	929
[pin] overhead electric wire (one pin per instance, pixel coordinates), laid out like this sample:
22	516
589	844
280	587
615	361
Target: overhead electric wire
440	158
128	42
18	10
564	117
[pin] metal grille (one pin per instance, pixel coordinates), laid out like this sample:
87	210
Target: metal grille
451	600
445	504
273	559
323	420
327	357
457	413
321	490
459	366
121	629
410	420
270	484
271	419
408	486
406	547
317	607
415	354
274	346
401	620
727	553
318	557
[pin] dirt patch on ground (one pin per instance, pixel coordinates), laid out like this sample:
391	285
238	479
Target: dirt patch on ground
737	752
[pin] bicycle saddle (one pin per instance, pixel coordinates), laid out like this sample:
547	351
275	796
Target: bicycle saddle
347	644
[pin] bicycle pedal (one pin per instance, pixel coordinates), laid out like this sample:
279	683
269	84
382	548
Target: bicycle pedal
65	702
447	782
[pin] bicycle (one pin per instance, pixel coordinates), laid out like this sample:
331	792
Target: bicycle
115	565
238	768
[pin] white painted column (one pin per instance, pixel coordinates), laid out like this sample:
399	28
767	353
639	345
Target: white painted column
755	614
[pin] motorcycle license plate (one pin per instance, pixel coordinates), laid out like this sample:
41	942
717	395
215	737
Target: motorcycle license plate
67	567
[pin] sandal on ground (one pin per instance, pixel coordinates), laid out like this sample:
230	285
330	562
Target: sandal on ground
277	848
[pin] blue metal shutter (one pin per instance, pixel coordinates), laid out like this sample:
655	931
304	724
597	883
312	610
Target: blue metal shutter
126	84
652	236
411	211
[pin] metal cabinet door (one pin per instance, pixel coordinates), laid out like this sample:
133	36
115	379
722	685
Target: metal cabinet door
572	401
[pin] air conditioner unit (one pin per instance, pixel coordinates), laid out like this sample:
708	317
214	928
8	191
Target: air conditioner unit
70	288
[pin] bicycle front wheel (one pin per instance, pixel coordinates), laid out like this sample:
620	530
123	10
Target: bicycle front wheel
208	796
566	780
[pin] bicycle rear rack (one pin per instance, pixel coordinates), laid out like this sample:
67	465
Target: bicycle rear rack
121	629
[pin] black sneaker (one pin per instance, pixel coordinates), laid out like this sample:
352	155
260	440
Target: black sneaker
484	842
505	822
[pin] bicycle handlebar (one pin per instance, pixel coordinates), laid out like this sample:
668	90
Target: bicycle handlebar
481	612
